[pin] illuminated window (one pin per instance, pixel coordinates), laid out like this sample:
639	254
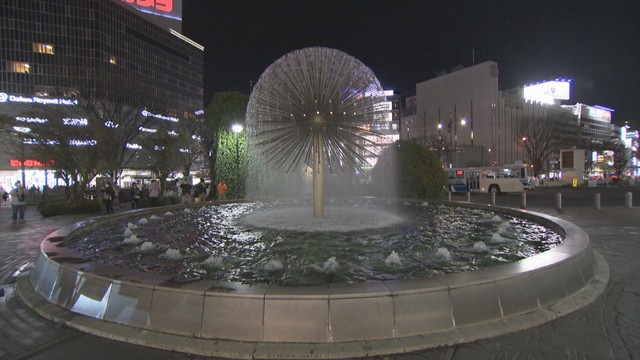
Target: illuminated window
43	48
113	60
18	67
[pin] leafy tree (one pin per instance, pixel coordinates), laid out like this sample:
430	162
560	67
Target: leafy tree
225	109
231	163
408	170
620	159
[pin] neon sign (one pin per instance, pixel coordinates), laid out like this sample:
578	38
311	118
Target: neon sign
22	129
160	5
75	122
4	97
144	129
158	116
31	120
82	142
30	163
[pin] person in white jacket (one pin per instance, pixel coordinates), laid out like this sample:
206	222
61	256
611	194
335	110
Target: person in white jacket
18	203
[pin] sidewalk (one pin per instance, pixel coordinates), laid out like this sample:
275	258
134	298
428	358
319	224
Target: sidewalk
609	328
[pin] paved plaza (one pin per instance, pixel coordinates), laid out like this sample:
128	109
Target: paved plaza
609	328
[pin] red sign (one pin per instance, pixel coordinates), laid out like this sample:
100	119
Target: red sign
161	5
459	173
29	163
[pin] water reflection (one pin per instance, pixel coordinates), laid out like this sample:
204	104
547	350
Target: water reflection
217	242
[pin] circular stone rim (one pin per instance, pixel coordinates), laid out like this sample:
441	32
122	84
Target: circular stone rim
63	290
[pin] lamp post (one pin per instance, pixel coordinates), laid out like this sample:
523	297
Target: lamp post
237	129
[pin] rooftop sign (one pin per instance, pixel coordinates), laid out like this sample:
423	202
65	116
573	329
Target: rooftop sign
548	92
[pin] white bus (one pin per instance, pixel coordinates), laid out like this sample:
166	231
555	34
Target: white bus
494	179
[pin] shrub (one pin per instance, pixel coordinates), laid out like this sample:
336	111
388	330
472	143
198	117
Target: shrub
53	208
408	170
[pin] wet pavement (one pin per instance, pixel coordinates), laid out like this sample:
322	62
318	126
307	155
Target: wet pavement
609	328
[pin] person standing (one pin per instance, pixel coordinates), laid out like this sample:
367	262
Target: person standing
18	203
186	191
116	197
222	190
199	191
154	192
4	195
108	194
135	195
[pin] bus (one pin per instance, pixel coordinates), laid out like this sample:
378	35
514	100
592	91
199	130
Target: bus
496	179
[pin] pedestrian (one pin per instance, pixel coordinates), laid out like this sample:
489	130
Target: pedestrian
199	191
135	195
18	203
108	194
116	197
222	190
154	192
4	195
185	188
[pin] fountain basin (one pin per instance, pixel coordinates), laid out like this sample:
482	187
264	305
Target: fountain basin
233	320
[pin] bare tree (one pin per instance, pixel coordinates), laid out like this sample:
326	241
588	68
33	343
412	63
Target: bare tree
118	126
64	140
538	137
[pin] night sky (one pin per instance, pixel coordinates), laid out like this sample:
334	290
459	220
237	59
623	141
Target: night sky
597	43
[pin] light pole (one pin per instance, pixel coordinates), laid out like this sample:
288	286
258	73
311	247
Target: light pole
237	129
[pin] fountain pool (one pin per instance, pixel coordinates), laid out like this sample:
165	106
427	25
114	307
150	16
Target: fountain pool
281	244
231	319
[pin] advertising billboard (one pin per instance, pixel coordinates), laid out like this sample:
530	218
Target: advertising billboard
549	91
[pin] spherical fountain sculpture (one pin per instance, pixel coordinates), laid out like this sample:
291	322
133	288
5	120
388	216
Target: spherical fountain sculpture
309	111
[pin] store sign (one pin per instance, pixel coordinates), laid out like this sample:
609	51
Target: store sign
4	97
82	142
158	116
75	122
31	120
30	163
165	6
144	129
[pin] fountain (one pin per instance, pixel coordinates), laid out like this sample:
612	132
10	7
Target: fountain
308	113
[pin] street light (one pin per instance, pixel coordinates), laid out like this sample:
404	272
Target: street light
237	129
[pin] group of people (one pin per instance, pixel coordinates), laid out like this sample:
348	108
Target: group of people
198	192
18	198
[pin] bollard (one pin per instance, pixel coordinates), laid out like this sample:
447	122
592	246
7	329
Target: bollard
493	198
449	193
596	200
523	205
628	200
468	196
558	201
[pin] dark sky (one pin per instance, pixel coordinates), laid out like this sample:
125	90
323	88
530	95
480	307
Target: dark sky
597	43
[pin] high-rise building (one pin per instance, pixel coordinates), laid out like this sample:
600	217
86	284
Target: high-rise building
126	51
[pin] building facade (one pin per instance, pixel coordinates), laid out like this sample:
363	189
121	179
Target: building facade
457	111
470	122
63	53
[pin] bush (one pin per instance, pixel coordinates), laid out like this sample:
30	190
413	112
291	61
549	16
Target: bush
53	208
408	170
